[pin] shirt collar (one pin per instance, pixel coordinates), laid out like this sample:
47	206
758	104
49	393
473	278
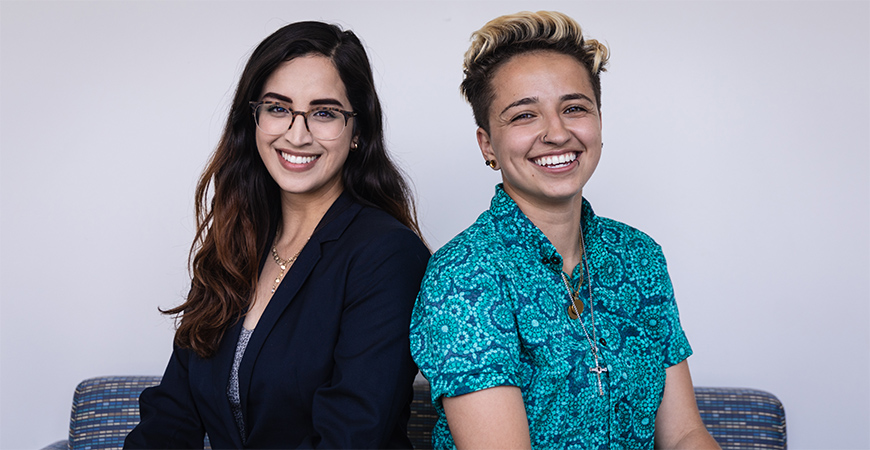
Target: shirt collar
516	228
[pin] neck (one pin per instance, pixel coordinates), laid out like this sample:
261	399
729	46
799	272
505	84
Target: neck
560	222
300	215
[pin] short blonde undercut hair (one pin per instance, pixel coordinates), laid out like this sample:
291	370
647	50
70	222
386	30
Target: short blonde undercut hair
507	36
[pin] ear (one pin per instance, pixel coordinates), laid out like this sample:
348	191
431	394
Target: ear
485	144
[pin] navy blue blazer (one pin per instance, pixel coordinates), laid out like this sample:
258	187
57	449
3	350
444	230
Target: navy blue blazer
328	365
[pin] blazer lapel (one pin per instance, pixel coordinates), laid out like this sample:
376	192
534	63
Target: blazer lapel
221	364
331	226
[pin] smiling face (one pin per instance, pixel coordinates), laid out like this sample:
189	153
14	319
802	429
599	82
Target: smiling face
302	165
544	128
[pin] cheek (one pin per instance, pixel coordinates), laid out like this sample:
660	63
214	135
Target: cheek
508	145
343	154
264	145
592	131
587	130
337	152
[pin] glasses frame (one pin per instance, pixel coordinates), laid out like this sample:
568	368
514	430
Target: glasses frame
347	115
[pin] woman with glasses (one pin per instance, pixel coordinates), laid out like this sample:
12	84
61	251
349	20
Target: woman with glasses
544	325
305	266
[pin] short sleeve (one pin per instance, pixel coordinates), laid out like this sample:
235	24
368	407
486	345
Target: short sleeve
663	320
464	332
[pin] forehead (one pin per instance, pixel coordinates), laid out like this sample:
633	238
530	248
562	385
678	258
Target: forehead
306	78
543	75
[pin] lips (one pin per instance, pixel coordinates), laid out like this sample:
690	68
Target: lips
295	159
556	161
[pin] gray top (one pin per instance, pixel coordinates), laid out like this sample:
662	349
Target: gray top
233	387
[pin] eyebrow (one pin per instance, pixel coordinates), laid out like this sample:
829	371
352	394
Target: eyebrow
326	101
576	96
316	102
520	102
277	97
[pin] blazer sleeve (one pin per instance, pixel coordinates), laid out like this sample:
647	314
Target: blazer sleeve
366	404
169	418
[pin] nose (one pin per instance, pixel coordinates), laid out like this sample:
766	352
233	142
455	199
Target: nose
554	131
301	135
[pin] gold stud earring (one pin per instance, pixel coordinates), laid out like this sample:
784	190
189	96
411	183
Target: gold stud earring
491	163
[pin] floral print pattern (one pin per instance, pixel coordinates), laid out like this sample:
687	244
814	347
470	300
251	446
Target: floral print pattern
492	311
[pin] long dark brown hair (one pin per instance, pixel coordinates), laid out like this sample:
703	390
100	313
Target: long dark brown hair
234	223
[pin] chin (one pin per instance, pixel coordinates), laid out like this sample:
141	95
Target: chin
563	192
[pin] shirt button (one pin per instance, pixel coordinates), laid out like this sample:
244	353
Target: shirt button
602	341
616	408
545	261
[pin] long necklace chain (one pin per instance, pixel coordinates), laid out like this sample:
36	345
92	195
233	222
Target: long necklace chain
284	264
576	307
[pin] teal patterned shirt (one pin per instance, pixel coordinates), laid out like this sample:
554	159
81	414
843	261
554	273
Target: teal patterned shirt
492	311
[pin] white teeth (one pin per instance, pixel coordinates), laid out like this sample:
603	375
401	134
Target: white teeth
293	159
556	161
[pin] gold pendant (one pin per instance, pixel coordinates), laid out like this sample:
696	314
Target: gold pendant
575	309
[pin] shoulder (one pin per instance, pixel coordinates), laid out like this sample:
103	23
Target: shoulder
478	245
371	227
626	239
377	258
629	260
372	216
374	235
469	271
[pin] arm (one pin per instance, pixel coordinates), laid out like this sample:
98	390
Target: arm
490	418
678	423
169	418
366	405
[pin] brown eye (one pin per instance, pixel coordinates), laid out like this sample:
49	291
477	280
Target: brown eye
523	116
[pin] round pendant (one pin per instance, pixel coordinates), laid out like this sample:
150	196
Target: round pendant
573	312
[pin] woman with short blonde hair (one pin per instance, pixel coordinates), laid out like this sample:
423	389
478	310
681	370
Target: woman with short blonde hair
544	325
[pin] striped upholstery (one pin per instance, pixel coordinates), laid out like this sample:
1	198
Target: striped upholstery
742	418
105	409
423	415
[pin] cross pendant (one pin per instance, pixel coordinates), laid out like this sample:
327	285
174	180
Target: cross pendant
598	370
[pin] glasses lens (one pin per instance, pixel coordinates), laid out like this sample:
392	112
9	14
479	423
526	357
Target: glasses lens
273	118
326	123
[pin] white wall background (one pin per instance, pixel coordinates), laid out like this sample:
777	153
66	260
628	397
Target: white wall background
737	136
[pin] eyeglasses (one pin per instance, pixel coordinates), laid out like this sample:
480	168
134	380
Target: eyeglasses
325	124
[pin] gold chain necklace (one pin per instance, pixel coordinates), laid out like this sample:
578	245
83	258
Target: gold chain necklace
284	264
576	307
